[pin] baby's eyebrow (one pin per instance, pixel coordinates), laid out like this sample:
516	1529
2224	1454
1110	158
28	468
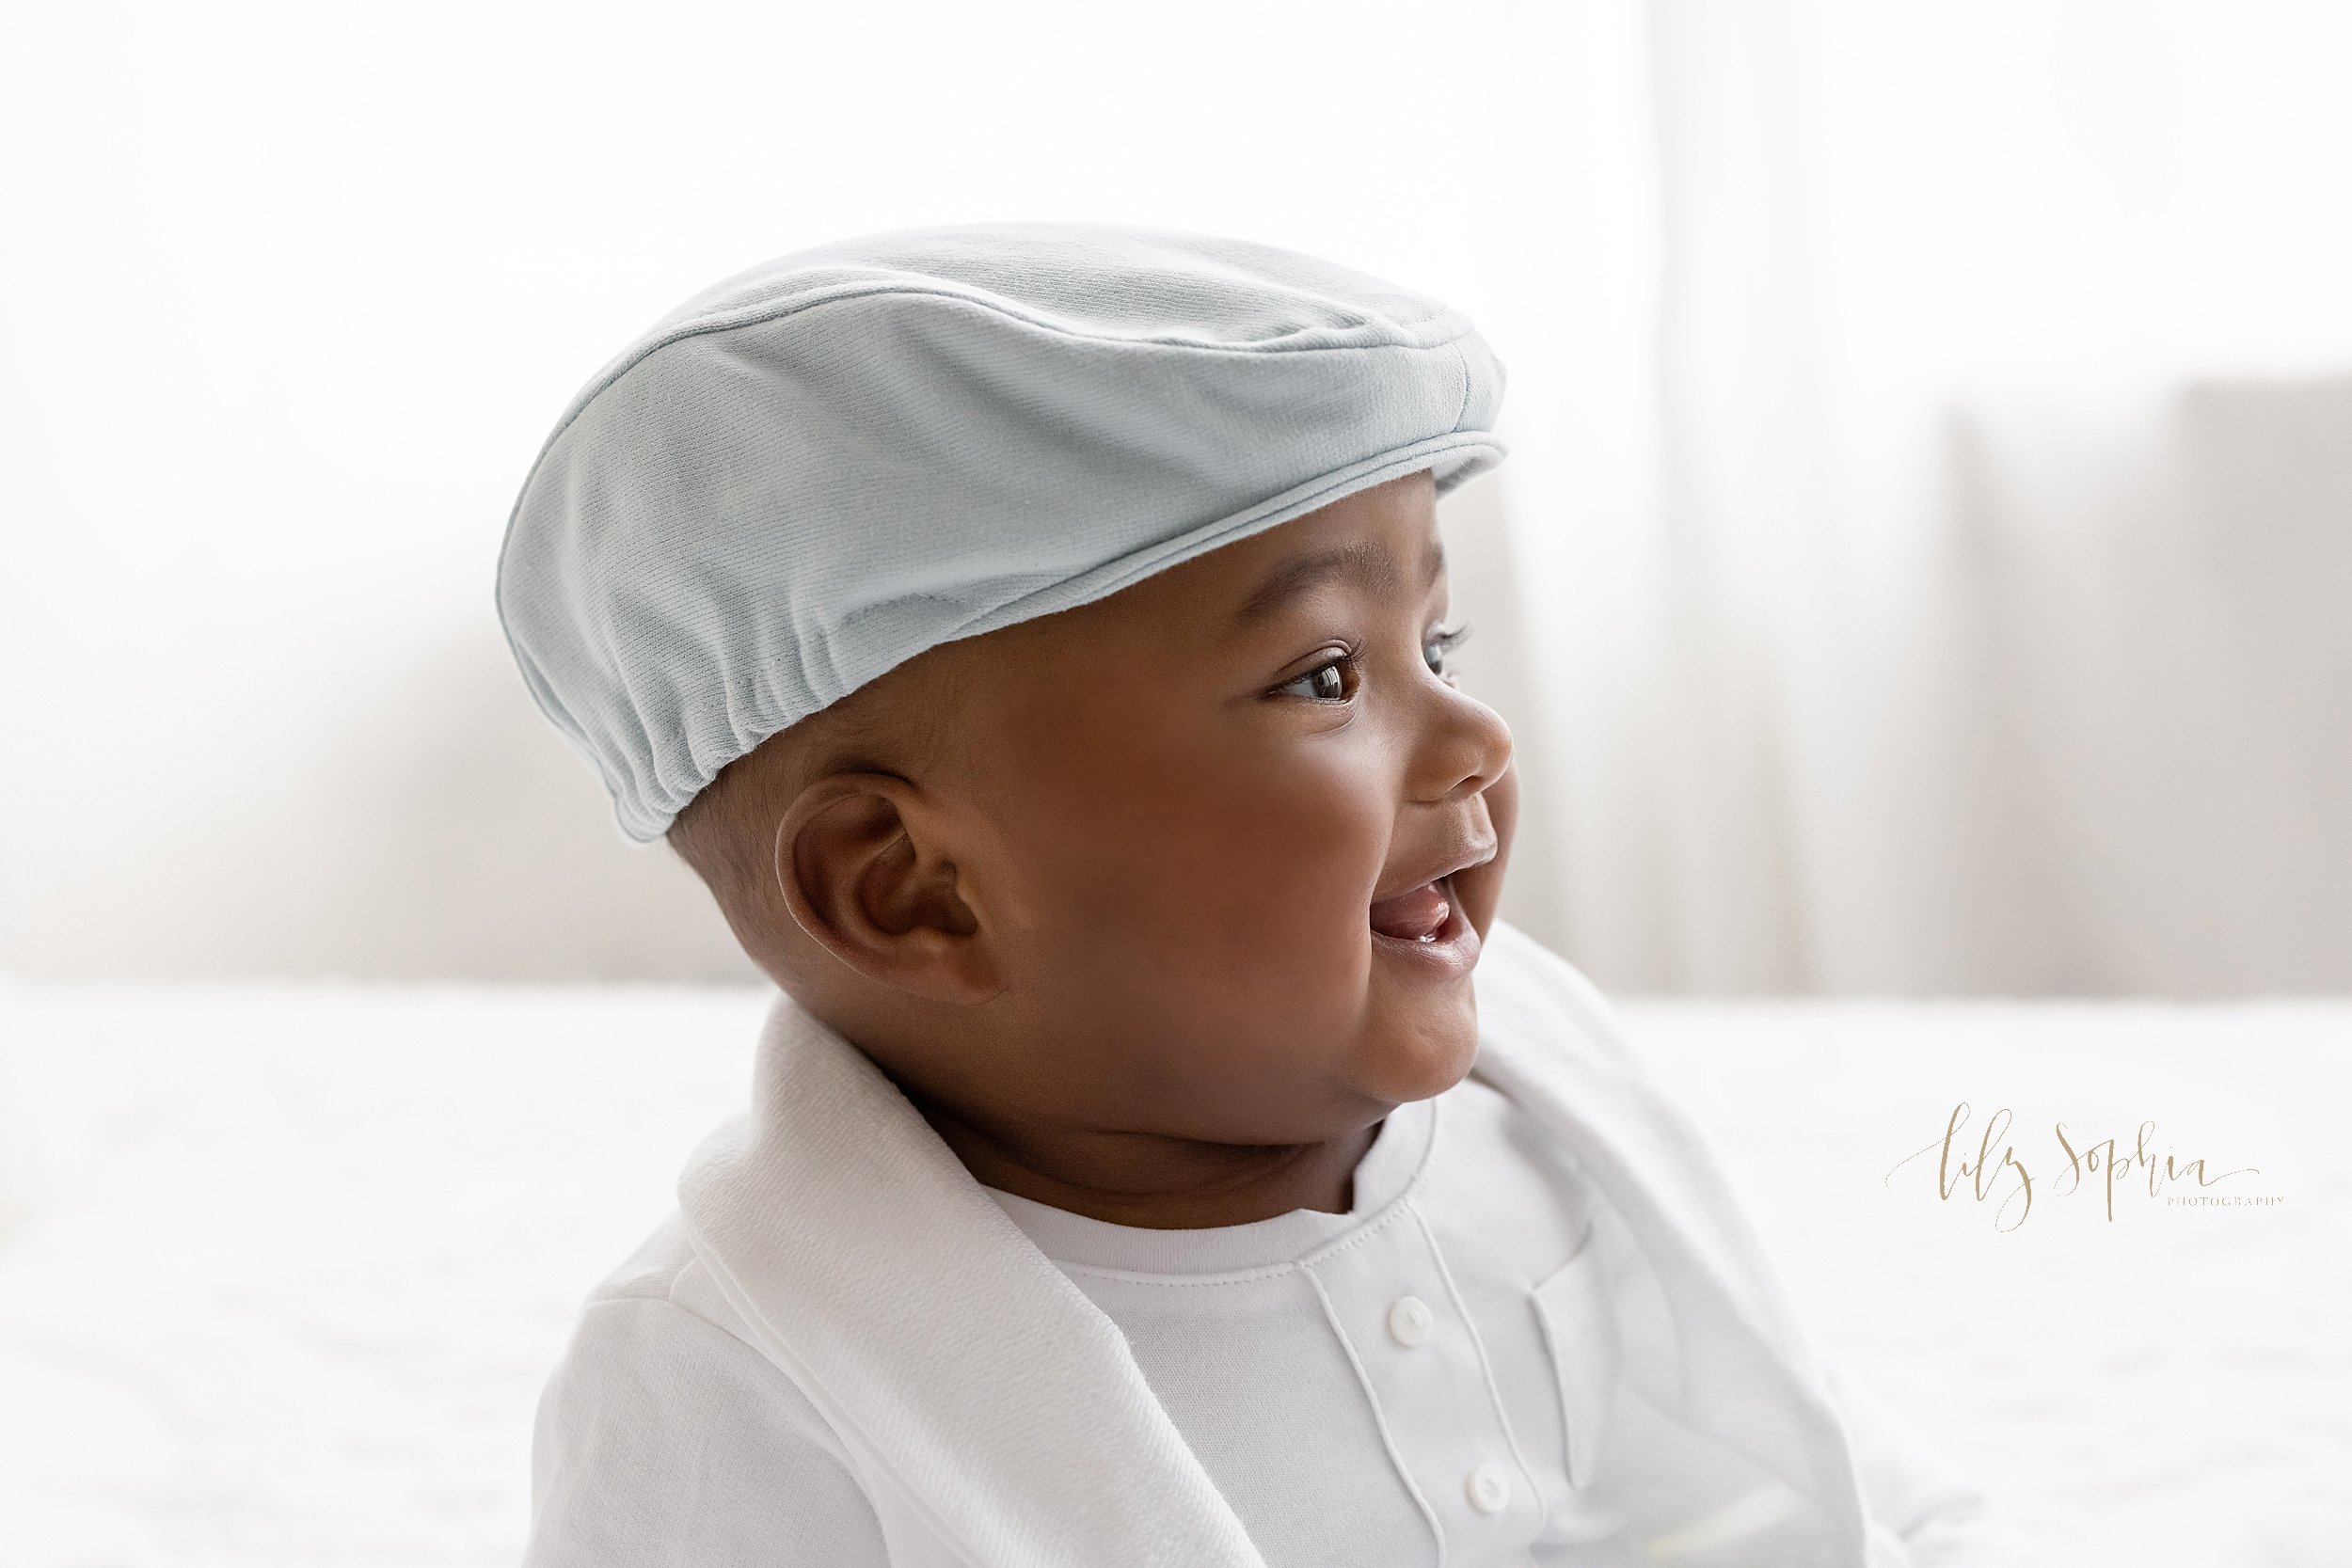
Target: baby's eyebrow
1363	561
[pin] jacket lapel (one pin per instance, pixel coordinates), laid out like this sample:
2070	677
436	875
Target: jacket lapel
968	1376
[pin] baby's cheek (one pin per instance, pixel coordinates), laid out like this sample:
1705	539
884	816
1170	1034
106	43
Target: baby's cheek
1307	897
1301	939
1270	851
1236	899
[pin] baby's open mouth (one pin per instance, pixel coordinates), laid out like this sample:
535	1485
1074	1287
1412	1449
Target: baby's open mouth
1417	914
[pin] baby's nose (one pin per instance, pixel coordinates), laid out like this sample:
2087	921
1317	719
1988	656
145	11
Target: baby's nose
1464	748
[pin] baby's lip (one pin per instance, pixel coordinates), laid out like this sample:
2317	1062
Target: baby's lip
1421	910
1476	854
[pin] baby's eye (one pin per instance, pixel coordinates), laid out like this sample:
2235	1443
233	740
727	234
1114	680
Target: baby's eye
1327	682
1442	642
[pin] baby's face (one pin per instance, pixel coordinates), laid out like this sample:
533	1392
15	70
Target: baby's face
1230	839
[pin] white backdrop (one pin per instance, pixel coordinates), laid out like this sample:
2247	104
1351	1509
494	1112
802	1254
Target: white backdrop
1919	569
1986	629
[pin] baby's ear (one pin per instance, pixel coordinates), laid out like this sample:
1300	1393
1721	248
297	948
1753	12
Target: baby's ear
861	874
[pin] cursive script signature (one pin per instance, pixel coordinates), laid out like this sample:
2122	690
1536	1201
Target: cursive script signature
1995	1167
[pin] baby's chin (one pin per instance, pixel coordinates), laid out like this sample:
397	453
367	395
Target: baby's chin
1417	1044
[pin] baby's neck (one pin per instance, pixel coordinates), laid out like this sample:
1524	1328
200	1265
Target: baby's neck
1154	1182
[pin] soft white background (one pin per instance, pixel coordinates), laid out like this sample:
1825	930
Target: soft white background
1921	571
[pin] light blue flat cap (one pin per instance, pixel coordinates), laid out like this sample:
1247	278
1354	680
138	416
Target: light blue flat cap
818	468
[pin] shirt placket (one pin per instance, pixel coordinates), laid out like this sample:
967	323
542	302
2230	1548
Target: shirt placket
1390	1300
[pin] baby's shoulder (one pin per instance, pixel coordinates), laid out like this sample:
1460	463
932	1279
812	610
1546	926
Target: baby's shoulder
656	1331
653	1269
660	1326
661	1399
663	1306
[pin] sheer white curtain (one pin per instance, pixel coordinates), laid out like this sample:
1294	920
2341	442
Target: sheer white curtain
1933	511
1926	528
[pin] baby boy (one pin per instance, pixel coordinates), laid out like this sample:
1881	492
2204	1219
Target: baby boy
1037	637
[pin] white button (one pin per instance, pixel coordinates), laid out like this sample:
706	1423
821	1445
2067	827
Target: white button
1489	1489
1409	1321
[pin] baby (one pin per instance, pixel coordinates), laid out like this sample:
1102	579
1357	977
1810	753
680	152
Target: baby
1037	637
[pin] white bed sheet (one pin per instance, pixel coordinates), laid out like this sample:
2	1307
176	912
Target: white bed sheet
281	1269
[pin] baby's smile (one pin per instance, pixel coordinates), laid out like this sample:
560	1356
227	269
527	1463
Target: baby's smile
1424	923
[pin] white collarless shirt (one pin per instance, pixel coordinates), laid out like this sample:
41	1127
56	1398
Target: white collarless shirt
1425	1379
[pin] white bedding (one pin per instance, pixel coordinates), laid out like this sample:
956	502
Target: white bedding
281	1268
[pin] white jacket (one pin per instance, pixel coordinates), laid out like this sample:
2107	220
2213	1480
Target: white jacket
939	1367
